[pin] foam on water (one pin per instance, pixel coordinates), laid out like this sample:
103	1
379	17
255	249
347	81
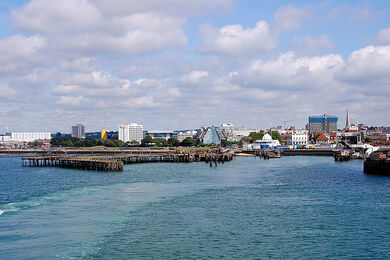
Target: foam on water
289	208
88	213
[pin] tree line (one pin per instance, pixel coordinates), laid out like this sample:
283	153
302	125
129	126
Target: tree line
148	141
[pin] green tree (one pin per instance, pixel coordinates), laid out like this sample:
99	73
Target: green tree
276	136
173	142
225	142
108	143
147	140
317	135
160	141
132	143
245	139
67	143
118	143
256	136
188	142
88	142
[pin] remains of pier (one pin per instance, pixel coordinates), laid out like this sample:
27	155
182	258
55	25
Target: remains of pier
115	162
378	163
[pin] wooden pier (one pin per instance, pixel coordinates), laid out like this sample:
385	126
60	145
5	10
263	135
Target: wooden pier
115	162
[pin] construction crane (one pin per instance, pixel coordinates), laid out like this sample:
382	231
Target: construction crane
6	127
285	123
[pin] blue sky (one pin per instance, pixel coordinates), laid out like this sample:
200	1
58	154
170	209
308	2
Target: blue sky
181	64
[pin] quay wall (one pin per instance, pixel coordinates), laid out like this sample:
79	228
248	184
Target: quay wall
381	167
308	152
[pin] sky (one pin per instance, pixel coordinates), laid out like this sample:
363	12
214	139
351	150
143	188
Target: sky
178	64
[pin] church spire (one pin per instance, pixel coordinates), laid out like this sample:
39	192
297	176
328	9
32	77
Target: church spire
347	122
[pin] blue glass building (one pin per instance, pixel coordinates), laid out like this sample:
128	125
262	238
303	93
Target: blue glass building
211	136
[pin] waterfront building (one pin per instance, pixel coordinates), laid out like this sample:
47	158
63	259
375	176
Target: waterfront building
130	132
286	138
78	131
5	138
29	136
266	142
322	139
94	135
165	134
183	134
333	138
101	135
231	132
209	135
298	137
322	124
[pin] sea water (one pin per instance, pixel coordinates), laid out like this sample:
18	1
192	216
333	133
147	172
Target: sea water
288	208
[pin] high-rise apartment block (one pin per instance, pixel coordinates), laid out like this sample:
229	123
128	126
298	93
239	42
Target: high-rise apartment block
322	124
78	131
130	132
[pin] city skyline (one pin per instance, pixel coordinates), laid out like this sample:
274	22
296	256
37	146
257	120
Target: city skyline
181	65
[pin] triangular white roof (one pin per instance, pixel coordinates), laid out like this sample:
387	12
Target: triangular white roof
267	137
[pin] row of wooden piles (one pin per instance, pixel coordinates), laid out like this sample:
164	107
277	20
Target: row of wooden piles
115	162
73	163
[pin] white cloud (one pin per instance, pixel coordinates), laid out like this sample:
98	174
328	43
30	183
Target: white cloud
237	41
84	64
383	36
368	67
18	52
140	102
80	25
291	72
289	18
6	91
71	101
174	92
194	76
316	44
93	79
172	7
98	56
364	13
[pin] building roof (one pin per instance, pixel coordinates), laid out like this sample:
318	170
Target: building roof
159	131
322	137
267	137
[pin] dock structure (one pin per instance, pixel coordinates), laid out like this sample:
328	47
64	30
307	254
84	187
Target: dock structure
378	163
115	162
308	152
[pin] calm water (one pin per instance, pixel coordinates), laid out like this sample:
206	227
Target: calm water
289	208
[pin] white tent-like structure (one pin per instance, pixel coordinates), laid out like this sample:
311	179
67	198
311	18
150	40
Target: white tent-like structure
267	142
